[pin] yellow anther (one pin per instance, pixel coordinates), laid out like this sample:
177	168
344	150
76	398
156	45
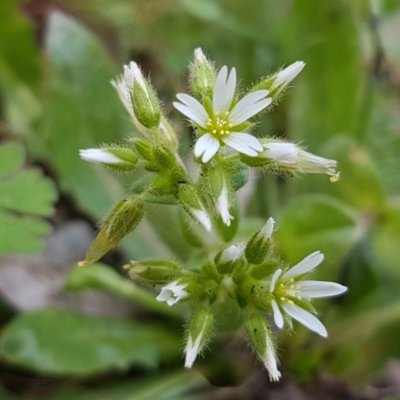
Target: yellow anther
290	302
214	131
222	132
283	298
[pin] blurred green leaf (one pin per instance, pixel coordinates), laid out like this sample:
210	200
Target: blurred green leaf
318	222
82	110
20	68
57	342
25	195
327	95
207	10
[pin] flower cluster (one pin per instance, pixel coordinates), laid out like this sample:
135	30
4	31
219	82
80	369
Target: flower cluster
247	274
259	282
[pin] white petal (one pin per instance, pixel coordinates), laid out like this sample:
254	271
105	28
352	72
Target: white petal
195	105
124	94
266	231
243	143
203	218
231	253
288	74
275	277
212	149
278	318
312	289
99	156
305	318
271	362
250	105
306	265
281	152
190	113
223	207
199	55
224	90
191	351
201	144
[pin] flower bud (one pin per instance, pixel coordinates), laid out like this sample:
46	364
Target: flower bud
122	220
258	246
153	272
138	96
260	338
279	81
192	204
199	333
202	76
227	259
219	190
115	158
287	158
264	270
168	135
144	148
173	293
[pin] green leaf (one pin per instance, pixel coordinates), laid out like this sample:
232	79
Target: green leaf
57	342
82	110
25	195
312	223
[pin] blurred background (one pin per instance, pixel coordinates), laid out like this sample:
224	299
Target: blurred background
91	334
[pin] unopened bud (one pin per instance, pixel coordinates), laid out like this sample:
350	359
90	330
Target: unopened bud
115	158
191	203
173	293
153	272
261	340
145	148
138	96
258	246
202	76
227	259
199	333
122	220
264	270
279	81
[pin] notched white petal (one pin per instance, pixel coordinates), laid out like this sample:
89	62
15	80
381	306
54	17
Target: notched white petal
278	318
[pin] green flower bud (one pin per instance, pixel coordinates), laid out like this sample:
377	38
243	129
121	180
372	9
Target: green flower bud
114	158
167	134
153	272
144	148
264	270
202	76
192	204
199	333
227	259
261	340
279	81
122	220
164	157
258	246
139	97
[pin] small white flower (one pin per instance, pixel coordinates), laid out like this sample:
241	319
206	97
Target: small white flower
294	158
223	206
284	77
172	293
222	124
99	156
288	287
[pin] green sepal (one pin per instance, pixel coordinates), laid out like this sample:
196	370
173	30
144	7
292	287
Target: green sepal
264	270
146	105
122	220
145	148
189	231
153	272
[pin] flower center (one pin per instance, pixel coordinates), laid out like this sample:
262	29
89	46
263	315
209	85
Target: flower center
284	291
220	124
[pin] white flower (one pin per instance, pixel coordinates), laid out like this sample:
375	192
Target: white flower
294	158
288	288
284	77
99	156
223	206
222	124
172	293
